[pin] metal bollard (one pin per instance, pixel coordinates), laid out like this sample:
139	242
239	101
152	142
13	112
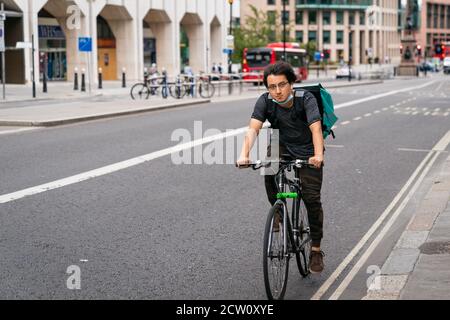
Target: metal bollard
100	78
44	82
124	80
83	81
75	80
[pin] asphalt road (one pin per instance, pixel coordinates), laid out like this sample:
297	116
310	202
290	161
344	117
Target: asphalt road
163	231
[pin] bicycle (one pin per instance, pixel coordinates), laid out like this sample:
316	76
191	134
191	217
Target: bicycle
291	236
185	85
149	87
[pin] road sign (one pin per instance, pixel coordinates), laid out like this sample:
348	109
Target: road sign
317	56
2	36
228	51
230	41
85	44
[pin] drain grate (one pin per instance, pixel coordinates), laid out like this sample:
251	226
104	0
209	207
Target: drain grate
437	247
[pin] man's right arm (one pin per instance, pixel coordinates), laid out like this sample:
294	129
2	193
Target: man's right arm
250	137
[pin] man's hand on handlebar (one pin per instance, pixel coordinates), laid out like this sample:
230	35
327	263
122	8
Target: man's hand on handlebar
316	161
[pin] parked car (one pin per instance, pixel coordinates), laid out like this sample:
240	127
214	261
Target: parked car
446	65
426	66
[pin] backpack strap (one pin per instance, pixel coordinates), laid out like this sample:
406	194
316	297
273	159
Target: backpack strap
299	96
271	112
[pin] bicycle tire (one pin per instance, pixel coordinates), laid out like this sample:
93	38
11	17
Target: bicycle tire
139	91
303	257
280	259
177	90
164	92
206	90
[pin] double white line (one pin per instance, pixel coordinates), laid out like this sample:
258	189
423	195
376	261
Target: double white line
433	154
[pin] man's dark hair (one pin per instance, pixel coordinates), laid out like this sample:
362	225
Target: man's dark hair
280	68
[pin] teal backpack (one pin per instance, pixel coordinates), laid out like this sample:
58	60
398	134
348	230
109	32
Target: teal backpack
324	101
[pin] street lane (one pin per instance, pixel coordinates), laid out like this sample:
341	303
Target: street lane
163	231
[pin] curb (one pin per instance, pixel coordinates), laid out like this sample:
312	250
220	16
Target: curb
403	259
51	123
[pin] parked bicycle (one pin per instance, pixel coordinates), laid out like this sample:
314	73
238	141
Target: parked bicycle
153	85
186	85
285	235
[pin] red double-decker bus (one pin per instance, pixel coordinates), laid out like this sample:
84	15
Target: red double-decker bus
256	59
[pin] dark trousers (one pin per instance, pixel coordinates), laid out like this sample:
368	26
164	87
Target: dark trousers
311	184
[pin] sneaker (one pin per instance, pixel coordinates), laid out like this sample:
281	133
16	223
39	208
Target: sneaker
316	261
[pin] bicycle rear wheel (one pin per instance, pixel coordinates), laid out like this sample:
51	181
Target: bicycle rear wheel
303	256
177	90
275	254
206	90
139	91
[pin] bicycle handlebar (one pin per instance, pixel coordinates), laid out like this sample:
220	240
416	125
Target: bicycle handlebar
298	163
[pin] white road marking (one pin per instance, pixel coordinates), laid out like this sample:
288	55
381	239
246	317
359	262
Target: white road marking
381	95
376	111
385	108
345	123
426	113
445	114
333	146
116	166
440	146
415	112
367	115
413	150
357	118
17	130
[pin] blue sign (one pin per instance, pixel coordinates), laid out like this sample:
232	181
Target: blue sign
228	51
85	44
317	56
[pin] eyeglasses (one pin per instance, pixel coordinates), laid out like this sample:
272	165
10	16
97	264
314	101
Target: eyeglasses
281	85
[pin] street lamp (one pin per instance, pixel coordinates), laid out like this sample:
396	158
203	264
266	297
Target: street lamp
283	15
231	33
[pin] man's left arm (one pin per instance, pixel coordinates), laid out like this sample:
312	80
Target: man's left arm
317	137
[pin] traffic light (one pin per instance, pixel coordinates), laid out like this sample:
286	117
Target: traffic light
321	56
419	50
326	54
401	49
438	48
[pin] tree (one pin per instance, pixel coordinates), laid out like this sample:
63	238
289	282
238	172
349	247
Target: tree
260	29
311	48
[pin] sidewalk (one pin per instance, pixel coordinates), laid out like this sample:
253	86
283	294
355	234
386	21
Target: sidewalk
419	265
67	108
60	90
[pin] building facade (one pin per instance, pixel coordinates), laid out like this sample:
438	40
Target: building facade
127	35
434	25
360	29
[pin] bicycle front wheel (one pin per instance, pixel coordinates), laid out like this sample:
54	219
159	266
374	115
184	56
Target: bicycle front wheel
275	255
177	90
206	90
304	239
139	91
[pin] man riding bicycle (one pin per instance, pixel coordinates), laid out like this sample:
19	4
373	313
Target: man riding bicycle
300	138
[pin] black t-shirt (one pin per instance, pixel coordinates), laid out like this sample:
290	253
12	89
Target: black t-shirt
295	134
